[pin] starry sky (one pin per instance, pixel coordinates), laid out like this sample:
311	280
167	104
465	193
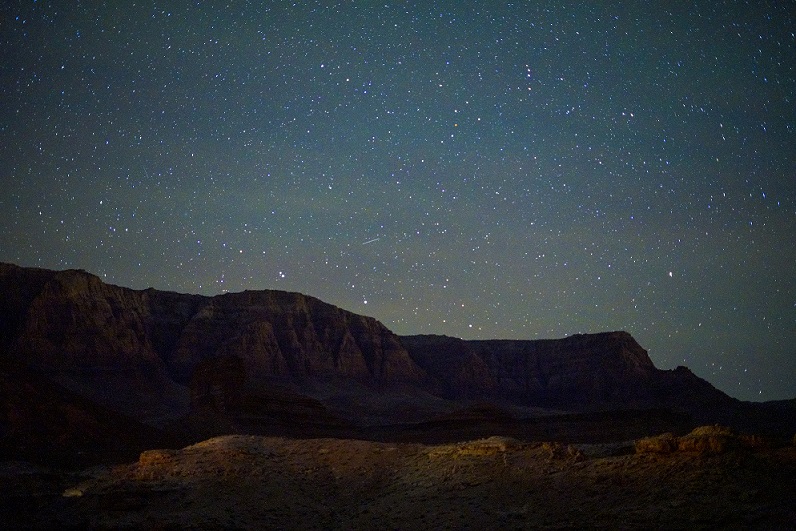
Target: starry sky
476	169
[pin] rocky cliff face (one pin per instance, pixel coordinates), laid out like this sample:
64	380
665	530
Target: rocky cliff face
293	336
151	351
594	370
154	354
584	372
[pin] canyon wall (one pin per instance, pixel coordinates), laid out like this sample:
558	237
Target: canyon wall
152	354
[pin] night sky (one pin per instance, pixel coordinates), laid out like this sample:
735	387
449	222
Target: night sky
474	169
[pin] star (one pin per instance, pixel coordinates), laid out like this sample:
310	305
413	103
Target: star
536	162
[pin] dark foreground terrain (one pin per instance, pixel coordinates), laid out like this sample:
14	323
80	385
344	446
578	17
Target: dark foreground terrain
708	479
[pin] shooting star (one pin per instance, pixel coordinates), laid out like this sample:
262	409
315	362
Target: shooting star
371	241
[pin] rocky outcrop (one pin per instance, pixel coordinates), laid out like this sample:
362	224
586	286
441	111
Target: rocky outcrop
703	440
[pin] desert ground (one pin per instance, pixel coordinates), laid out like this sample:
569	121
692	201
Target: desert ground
710	478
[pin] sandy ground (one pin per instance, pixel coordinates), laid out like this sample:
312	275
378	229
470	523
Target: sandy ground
278	483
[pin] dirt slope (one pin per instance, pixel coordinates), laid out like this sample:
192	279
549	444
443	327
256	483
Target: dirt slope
256	482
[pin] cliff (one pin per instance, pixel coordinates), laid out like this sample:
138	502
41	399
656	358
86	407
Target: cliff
583	372
588	370
151	353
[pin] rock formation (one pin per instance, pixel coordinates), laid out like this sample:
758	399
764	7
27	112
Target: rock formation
591	371
142	351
